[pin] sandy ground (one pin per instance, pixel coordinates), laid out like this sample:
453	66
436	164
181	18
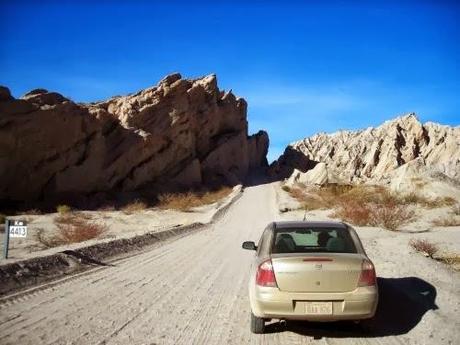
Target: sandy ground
193	290
119	224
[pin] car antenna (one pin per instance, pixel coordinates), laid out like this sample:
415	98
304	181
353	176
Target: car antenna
305	216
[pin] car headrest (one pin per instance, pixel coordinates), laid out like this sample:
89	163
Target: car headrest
335	244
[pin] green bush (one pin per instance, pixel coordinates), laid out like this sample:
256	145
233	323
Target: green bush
63	209
286	188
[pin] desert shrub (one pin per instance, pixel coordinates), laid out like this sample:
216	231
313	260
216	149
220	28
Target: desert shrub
308	201
286	188
450	220
297	193
392	216
189	200
424	246
74	219
71	228
456	209
451	260
47	241
360	204
388	215
354	212
135	206
447	201
2	219
63	209
86	230
436	202
414	198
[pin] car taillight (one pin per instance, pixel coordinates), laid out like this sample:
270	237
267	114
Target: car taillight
265	275
368	277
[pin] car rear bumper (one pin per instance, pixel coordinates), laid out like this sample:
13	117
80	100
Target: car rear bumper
270	303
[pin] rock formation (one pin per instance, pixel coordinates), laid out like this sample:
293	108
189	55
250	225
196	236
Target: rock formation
373	154
178	134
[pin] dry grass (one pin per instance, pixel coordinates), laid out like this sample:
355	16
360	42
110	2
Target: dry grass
135	206
424	246
85	231
452	260
449	220
456	209
436	202
46	241
354	212
360	205
72	218
392	216
71	228
388	215
189	200
63	209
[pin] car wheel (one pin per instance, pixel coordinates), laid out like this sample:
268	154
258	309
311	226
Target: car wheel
257	324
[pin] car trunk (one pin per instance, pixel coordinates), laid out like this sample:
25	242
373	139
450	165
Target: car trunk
317	272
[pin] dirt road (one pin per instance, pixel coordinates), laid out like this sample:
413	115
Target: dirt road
194	291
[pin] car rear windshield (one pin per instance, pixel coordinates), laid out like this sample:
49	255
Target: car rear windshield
313	240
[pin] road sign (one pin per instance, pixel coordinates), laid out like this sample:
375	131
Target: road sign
18	228
13	228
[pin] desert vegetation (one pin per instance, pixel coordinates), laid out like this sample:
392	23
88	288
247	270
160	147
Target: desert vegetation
448	220
456	209
424	246
432	251
360	205
191	199
135	206
71	228
452	260
63	209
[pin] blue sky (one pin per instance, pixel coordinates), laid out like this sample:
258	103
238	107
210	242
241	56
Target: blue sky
303	66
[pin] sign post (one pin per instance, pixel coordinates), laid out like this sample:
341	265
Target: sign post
6	243
13	228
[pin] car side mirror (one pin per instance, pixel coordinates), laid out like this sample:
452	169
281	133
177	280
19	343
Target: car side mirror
249	245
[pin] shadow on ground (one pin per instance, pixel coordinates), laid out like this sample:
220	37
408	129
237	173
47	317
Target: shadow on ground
402	304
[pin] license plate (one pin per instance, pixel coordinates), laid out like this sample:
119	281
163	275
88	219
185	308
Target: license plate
319	308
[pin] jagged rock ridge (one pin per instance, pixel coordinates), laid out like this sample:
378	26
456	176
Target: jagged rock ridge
178	134
372	154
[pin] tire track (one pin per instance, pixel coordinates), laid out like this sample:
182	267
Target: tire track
191	290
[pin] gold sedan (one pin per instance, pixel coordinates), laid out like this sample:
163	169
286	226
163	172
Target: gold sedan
315	271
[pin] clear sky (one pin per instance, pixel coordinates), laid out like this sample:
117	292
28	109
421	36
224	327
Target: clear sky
303	66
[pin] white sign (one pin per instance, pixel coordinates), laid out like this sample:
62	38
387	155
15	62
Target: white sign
18	228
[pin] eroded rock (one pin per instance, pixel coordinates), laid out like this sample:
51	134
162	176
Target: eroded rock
178	134
371	154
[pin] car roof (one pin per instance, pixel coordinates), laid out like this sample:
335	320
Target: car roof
304	224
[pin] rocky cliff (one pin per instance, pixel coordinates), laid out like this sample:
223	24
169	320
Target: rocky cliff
372	154
178	134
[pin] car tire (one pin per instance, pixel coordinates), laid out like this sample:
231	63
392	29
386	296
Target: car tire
257	324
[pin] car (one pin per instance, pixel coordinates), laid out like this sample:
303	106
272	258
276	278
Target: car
313	271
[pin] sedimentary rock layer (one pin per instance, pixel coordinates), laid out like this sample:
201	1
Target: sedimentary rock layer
178	134
373	153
